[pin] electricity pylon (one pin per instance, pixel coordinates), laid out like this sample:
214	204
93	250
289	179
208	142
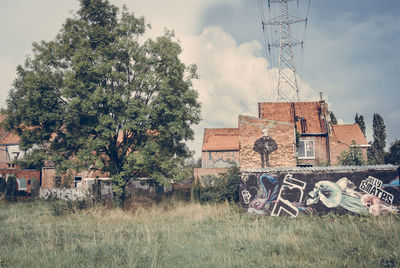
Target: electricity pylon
288	89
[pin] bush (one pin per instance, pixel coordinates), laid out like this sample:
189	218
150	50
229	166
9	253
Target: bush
224	188
2	185
11	189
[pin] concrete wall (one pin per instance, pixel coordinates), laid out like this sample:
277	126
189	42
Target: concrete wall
252	129
316	191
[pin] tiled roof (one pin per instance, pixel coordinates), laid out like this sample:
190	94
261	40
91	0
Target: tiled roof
7	137
10	138
2	130
347	133
221	139
286	111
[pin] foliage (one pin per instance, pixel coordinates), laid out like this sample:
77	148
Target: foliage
333	118
352	157
359	119
376	152
393	156
11	189
298	135
225	187
35	187
99	96
3	185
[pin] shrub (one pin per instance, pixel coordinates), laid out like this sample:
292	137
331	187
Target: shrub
11	189
224	188
2	185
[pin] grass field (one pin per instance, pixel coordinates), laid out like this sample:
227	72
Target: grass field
191	235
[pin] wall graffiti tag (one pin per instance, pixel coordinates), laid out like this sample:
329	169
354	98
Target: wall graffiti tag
291	194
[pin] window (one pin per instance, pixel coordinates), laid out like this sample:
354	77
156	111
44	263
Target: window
78	182
57	182
306	149
21	184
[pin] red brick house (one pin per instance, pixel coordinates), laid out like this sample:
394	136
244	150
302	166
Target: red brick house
9	151
285	134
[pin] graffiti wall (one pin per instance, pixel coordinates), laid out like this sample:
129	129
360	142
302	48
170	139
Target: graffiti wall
318	192
220	159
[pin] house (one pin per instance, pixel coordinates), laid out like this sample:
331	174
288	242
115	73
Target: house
9	152
285	134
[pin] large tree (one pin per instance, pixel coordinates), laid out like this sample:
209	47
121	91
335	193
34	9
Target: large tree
99	96
359	119
376	152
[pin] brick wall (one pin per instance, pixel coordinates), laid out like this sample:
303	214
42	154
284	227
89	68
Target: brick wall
251	129
337	147
27	174
321	156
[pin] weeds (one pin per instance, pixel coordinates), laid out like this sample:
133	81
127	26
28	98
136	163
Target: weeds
177	234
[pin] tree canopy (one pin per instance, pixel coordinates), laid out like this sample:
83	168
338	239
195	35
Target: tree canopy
99	96
359	119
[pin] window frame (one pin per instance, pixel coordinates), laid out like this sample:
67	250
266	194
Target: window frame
305	152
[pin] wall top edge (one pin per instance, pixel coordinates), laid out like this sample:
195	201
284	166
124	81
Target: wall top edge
332	168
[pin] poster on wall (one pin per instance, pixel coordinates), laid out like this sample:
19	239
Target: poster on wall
318	193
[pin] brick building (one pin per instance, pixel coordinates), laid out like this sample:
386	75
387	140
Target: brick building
285	134
9	152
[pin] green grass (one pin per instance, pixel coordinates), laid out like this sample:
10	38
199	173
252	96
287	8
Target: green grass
191	235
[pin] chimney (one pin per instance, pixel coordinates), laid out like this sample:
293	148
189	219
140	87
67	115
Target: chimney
320	96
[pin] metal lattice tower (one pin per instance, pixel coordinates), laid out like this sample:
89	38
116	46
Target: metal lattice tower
288	89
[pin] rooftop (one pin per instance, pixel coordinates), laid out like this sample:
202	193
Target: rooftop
221	139
348	133
287	111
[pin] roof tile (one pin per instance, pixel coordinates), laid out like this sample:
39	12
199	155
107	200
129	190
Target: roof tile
221	139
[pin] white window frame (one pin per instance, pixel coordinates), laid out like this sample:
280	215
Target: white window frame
305	152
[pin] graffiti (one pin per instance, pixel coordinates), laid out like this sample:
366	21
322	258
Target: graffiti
223	156
65	194
246	196
264	146
372	186
292	194
290	197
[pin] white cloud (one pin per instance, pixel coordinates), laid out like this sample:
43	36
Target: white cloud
233	78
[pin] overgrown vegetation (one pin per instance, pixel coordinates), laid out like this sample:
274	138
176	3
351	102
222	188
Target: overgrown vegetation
191	235
352	157
218	189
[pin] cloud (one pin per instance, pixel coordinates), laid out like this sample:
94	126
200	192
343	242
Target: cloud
233	78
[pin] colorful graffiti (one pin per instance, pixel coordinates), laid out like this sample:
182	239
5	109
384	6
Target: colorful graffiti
293	194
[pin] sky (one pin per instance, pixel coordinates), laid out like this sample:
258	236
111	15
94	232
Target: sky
351	53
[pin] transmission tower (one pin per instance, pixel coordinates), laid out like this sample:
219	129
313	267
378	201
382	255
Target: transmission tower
287	88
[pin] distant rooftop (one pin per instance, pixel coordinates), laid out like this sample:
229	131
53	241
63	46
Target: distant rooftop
221	139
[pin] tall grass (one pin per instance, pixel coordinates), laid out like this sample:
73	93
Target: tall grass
191	235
